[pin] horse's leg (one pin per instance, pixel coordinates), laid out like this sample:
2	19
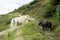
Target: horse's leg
48	29
43	28
12	23
15	24
22	23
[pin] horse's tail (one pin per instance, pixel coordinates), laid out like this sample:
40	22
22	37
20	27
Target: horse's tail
12	23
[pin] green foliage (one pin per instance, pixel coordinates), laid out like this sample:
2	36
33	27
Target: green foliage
58	12
32	31
54	2
49	10
11	35
4	22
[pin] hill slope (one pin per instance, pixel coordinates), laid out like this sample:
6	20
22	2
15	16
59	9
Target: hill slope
40	10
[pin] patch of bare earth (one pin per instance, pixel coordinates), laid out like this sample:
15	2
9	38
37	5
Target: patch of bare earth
4	34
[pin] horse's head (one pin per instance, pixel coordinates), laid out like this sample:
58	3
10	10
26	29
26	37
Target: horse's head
40	23
29	18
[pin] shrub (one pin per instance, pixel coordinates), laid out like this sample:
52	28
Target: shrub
49	10
54	2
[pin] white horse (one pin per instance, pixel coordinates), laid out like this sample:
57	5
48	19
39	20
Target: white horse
21	20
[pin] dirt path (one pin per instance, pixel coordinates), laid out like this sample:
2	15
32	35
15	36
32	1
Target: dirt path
4	34
18	35
49	34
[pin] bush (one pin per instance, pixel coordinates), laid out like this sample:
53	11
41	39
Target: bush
49	10
54	2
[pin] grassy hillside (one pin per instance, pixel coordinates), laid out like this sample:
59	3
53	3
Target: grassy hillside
40	10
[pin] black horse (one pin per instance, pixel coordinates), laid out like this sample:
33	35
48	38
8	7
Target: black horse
46	25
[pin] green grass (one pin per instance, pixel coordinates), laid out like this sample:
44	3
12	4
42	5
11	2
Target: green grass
37	10
32	31
11	35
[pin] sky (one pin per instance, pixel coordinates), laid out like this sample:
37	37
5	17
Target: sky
7	6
